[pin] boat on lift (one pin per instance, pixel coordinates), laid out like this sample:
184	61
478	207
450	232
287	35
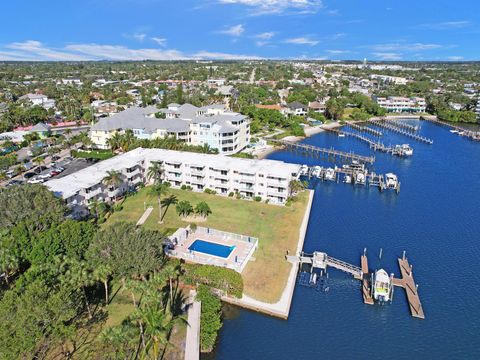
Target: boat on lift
330	174
360	178
340	134
304	170
405	149
316	171
347	179
382	286
391	181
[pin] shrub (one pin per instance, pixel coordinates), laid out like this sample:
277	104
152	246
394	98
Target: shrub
257	198
210	318
183	187
226	280
231	194
209	191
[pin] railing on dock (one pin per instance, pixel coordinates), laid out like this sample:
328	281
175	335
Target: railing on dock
327	154
399	130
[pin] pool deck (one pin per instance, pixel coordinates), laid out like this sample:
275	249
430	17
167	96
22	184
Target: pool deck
281	308
237	260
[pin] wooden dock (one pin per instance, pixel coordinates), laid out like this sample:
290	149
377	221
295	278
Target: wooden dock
474	135
401	124
326	154
364	129
366	289
410	287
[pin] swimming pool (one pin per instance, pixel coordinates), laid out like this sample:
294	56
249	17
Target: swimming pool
210	248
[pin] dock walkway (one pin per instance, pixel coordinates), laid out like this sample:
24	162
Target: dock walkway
410	287
326	154
474	135
399	130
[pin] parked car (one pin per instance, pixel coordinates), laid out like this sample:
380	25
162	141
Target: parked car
14	182
35	181
11	173
28	175
60	169
44	176
39	169
54	173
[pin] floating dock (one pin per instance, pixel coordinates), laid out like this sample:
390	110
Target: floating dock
326	154
320	260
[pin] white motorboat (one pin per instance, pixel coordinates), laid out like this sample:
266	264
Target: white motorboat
341	135
330	174
304	170
454	131
360	178
391	181
347	179
382	286
406	150
316	171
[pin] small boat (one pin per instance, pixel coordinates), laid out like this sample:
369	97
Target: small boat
405	149
382	287
347	179
330	174
360	178
355	165
316	171
341	135
304	170
454	131
391	181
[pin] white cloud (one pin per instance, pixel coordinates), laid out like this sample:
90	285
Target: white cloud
119	52
139	36
265	7
388	56
235	30
302	41
455	58
35	50
446	25
338	52
32	50
265	35
405	47
160	41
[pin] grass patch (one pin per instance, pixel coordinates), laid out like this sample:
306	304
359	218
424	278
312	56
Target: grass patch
94	154
276	227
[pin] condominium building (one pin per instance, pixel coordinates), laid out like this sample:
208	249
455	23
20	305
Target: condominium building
401	104
477	110
226	131
267	179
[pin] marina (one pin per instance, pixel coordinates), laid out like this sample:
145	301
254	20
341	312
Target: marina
396	150
435	219
474	135
377	286
331	154
393	127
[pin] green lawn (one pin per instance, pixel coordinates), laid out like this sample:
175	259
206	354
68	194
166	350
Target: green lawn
276	227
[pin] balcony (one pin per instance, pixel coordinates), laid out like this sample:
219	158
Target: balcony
275	192
133	173
197	173
92	193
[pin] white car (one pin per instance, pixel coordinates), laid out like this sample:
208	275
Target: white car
35	181
44	176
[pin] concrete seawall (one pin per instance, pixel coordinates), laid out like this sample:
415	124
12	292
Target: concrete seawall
280	309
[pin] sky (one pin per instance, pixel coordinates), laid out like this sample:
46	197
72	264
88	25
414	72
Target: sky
381	30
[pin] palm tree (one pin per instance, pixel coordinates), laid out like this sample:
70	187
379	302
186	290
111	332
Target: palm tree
203	209
127	140
114	179
102	273
115	141
159	190
170	272
9	263
39	161
158	326
171	200
94	207
184	208
78	274
155	172
295	186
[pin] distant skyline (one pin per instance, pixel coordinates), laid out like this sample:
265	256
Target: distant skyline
66	30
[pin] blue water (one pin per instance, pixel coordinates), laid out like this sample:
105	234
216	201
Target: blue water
210	248
435	218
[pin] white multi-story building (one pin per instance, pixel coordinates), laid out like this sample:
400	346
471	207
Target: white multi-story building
226	131
267	179
402	104
478	109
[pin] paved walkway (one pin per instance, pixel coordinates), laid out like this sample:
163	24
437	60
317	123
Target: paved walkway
145	216
282	307
192	346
